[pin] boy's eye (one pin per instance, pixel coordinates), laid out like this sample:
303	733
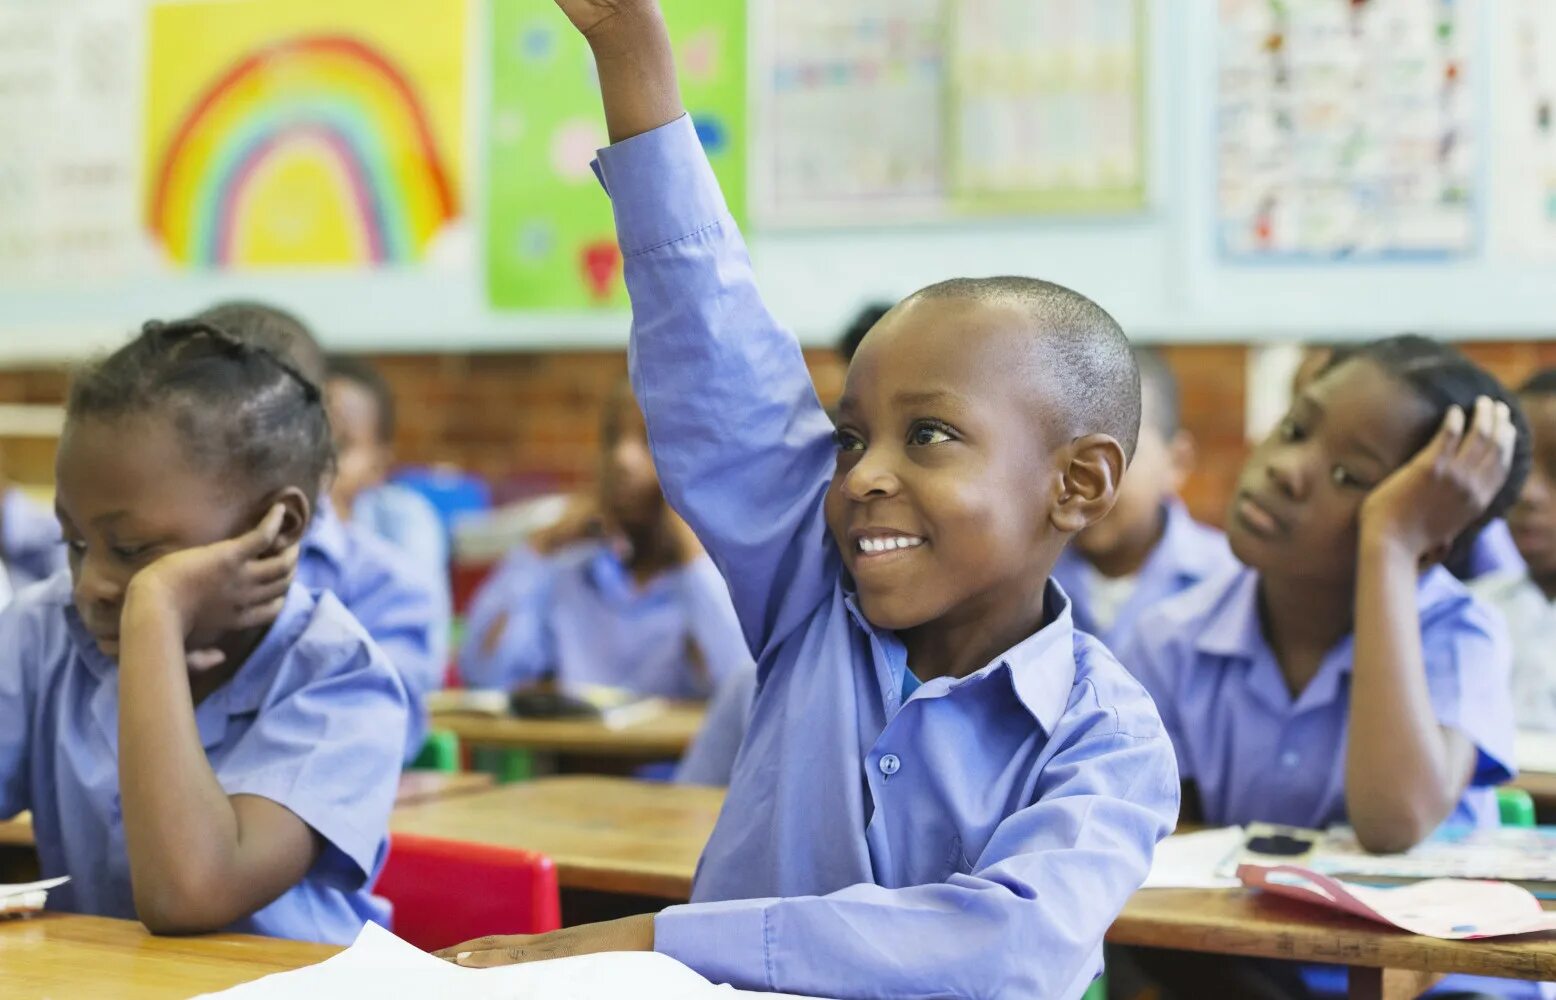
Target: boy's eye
847	440
76	546
1289	431
927	433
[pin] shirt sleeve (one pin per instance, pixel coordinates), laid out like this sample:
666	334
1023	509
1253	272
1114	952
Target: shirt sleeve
514	601
1153	660
1054	874
714	626
742	445
1468	678
330	752
711	758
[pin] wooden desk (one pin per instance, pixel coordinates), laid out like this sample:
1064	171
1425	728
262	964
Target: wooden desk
415	786
1384	962
608	834
63	955
665	735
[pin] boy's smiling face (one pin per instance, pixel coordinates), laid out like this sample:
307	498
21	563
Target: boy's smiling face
950	459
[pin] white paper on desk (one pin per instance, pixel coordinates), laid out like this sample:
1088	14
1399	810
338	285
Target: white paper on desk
1535	750
1190	860
381	965
25	896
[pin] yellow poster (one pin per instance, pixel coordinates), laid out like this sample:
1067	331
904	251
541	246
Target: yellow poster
297	133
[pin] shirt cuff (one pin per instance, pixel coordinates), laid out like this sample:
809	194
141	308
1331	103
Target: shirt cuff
661	186
723	942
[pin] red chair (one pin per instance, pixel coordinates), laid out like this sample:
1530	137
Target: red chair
448	891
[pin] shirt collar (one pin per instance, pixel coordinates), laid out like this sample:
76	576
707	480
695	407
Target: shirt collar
1041	667
326	536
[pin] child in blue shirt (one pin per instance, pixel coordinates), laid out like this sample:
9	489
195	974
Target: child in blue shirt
202	743
620	594
1343	675
406	615
1148	548
30	544
945	789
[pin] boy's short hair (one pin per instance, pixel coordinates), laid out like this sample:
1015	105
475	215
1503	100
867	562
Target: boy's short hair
1157	376
276	330
1086	350
1541	383
863	321
359	372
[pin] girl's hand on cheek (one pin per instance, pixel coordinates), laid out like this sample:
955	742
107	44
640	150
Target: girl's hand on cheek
1424	505
229	586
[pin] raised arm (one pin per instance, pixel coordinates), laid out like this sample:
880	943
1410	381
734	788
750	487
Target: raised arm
743	447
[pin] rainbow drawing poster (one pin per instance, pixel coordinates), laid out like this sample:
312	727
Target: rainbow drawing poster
550	239
284	133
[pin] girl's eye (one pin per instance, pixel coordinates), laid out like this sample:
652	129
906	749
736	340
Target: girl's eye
1340	477
927	434
77	547
1289	431
127	554
847	440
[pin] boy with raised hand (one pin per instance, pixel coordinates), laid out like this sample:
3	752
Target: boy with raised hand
946	790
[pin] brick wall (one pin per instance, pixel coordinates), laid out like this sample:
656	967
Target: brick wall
529	421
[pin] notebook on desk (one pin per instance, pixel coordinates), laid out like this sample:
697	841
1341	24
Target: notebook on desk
613	708
1525	856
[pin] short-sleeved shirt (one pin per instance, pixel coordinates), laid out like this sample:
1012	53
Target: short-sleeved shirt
579	617
313	720
392	601
31	544
1187	553
410	524
1258	753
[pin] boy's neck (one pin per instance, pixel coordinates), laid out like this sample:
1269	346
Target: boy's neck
1302	622
973	636
237	647
1126	558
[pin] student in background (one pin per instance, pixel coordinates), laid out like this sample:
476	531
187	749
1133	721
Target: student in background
619	593
1148	548
30	542
1343	675
362	415
204	745
1527	599
1491	551
375	582
710	759
945	789
863	321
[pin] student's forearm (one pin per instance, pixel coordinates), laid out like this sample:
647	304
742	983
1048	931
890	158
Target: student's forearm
179	825
637	70
1399	780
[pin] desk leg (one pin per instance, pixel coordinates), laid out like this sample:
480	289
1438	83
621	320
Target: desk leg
1389	984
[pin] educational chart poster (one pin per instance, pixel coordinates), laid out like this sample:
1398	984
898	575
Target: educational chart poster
1524	189
878	112
297	133
1346	130
550	235
67	164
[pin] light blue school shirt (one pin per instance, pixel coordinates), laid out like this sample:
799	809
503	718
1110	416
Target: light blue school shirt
1187	553
30	540
408	522
1259	754
578	616
711	757
1492	552
313	720
389	598
975	841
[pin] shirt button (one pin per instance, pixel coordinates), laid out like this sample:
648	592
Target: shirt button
889	764
1290	759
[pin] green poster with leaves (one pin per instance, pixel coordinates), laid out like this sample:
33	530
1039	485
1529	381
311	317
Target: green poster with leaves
550	239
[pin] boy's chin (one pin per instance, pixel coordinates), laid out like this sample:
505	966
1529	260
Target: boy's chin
893	612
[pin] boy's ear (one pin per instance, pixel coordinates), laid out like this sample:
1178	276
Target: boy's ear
1089	485
294	523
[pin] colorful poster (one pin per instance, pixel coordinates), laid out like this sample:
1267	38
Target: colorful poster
283	133
550	237
67	162
1346	130
1524	108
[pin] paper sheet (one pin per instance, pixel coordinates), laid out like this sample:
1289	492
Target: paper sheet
381	965
1190	860
1535	751
26	896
